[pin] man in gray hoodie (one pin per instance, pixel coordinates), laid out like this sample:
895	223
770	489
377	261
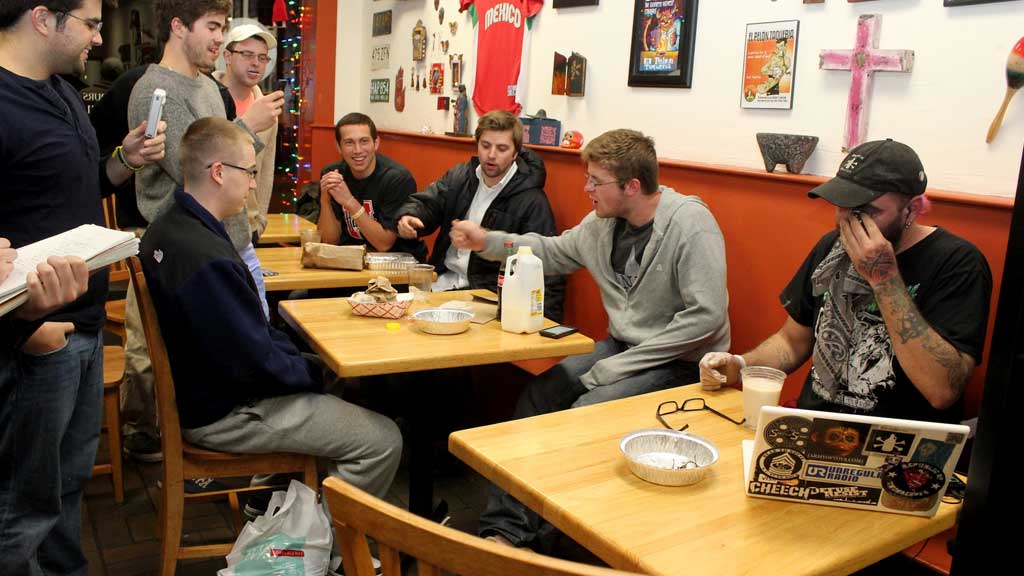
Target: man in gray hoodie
658	258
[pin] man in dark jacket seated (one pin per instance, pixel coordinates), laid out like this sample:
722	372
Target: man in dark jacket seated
502	188
241	385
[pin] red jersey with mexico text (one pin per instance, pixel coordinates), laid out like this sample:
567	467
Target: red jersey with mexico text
501	38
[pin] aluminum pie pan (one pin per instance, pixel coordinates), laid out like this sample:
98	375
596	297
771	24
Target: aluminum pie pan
668	457
442	320
393	261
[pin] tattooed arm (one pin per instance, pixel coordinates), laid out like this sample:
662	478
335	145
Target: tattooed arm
786	350
938	370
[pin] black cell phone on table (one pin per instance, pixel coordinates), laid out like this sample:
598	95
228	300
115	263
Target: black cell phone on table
556	332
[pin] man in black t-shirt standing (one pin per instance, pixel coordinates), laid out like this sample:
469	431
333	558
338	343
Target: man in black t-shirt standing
892	312
360	196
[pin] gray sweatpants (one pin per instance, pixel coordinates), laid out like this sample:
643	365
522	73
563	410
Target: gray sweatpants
364	447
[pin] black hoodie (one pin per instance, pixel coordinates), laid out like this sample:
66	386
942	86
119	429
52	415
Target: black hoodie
521	207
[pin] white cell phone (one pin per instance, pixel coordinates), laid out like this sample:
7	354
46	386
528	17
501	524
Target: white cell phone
156	110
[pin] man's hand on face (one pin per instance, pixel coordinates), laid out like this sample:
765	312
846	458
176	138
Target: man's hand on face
872	255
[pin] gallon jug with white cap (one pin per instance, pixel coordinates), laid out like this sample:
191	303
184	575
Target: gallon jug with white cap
522	294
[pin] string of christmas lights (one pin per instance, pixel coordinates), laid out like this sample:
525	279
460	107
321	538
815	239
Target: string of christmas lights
292	156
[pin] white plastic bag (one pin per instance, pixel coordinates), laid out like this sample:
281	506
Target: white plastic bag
293	538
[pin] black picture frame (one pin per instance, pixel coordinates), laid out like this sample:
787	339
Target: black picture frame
574	3
665	67
950	3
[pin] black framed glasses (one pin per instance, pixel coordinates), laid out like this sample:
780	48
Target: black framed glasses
96	26
250	56
252	172
688	405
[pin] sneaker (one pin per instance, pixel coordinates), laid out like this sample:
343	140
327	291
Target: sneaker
256	505
143	447
203	486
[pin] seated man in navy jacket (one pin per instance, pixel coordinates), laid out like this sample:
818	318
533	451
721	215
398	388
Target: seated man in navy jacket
241	385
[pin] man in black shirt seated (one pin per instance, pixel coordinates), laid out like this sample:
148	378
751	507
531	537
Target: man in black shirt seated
892	312
360	195
241	385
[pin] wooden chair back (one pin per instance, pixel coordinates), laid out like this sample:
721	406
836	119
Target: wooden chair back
167	406
358	515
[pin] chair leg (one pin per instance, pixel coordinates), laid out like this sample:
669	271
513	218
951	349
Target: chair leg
171	510
112	414
309	475
236	512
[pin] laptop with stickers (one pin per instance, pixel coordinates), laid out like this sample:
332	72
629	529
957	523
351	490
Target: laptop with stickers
850	460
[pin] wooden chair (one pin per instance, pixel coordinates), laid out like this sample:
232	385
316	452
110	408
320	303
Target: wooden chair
184	461
358	515
118	273
113	375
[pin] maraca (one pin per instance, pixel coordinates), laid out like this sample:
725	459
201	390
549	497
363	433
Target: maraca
1014	81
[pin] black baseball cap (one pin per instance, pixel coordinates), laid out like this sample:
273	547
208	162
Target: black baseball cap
871	170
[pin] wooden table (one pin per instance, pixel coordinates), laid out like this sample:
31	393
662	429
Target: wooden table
284	228
359	346
568	467
287	262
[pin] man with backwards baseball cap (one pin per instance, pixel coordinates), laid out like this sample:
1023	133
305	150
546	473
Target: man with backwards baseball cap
892	312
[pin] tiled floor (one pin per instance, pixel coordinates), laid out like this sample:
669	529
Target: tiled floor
120	540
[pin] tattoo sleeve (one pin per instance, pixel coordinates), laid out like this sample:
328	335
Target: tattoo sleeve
912	329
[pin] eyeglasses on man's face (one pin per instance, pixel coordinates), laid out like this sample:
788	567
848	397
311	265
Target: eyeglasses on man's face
95	26
250	56
252	172
688	405
592	183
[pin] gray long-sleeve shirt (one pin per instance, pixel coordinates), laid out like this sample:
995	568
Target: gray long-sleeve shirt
678	307
188	99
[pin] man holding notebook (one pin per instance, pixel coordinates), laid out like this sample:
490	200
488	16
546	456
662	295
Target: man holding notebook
51	387
892	312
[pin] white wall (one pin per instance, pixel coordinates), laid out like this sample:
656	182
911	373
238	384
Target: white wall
942	109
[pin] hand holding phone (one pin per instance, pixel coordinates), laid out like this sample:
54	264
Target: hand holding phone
156	111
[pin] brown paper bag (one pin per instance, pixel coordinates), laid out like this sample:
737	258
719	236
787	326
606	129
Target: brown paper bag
317	255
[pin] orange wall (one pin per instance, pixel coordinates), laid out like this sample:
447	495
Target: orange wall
769	225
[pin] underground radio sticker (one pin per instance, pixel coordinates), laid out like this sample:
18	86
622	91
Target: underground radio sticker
780	463
788	432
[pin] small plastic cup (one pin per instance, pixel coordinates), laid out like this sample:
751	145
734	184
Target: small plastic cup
762	386
421	277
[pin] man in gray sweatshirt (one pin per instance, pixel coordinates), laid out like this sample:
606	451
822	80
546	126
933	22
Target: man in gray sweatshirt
658	258
193	34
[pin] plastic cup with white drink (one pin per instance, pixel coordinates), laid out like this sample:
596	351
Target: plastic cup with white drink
762	386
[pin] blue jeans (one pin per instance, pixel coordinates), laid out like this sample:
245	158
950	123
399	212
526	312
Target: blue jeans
50	411
559	389
248	255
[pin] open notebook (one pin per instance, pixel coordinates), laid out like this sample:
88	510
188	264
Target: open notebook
97	245
853	461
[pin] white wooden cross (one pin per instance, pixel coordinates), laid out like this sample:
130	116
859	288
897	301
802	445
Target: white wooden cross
862	62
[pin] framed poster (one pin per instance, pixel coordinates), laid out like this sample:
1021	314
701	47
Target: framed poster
769	64
382	23
661	53
380	89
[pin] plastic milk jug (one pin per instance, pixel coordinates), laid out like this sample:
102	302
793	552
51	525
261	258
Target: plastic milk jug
522	295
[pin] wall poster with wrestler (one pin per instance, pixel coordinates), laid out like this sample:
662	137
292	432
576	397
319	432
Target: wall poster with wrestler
769	64
662	43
